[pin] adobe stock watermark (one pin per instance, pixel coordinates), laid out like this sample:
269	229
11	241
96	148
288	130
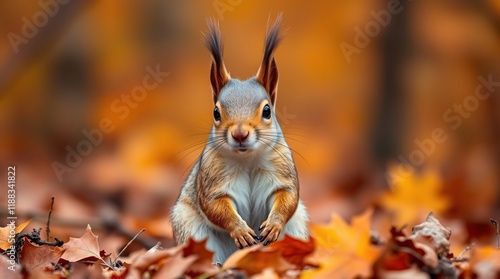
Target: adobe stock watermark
49	8
363	37
284	117
122	107
223	6
453	117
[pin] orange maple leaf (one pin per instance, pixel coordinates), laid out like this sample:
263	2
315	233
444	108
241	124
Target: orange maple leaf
343	250
5	234
413	197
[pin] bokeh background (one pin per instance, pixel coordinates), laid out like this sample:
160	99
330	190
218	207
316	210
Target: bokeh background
349	119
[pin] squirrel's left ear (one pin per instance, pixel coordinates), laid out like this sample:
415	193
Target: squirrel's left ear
268	71
219	76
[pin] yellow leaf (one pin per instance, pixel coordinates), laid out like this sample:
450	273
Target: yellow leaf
412	197
343	250
5	233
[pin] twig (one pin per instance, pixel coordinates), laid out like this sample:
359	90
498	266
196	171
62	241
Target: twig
103	263
411	252
467	249
106	264
126	246
47	230
497	226
459	260
34	237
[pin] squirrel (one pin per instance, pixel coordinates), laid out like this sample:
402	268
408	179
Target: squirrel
245	180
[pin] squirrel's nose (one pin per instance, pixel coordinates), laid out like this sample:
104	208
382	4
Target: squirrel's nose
239	135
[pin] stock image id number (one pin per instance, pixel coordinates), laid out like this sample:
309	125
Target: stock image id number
11	192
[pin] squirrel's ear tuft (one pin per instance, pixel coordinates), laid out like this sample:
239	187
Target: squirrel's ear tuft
268	71
218	73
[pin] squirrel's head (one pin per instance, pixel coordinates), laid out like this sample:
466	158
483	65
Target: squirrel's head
244	117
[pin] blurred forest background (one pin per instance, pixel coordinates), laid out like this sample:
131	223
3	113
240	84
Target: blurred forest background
349	119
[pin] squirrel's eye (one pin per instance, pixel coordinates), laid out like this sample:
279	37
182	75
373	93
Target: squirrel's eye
216	114
266	112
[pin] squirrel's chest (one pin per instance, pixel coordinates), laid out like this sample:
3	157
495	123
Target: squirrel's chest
251	192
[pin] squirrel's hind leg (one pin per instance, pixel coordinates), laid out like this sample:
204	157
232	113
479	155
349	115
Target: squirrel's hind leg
187	222
297	225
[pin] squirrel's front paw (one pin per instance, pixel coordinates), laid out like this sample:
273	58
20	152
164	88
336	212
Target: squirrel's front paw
271	231
243	236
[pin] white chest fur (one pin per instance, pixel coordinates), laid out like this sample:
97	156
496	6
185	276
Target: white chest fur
251	188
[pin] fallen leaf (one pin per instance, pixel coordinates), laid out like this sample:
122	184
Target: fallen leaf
203	263
5	233
83	248
142	263
427	248
343	250
433	234
34	257
175	267
128	260
295	250
401	253
413	197
338	235
253	260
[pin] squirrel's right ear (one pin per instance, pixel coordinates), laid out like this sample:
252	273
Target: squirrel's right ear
218	73
268	71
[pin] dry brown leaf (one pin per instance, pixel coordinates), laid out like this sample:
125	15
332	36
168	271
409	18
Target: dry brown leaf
204	257
22	273
148	259
343	250
175	267
295	250
34	257
417	250
433	234
393	258
413	197
253	260
402	253
128	260
83	248
5	233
